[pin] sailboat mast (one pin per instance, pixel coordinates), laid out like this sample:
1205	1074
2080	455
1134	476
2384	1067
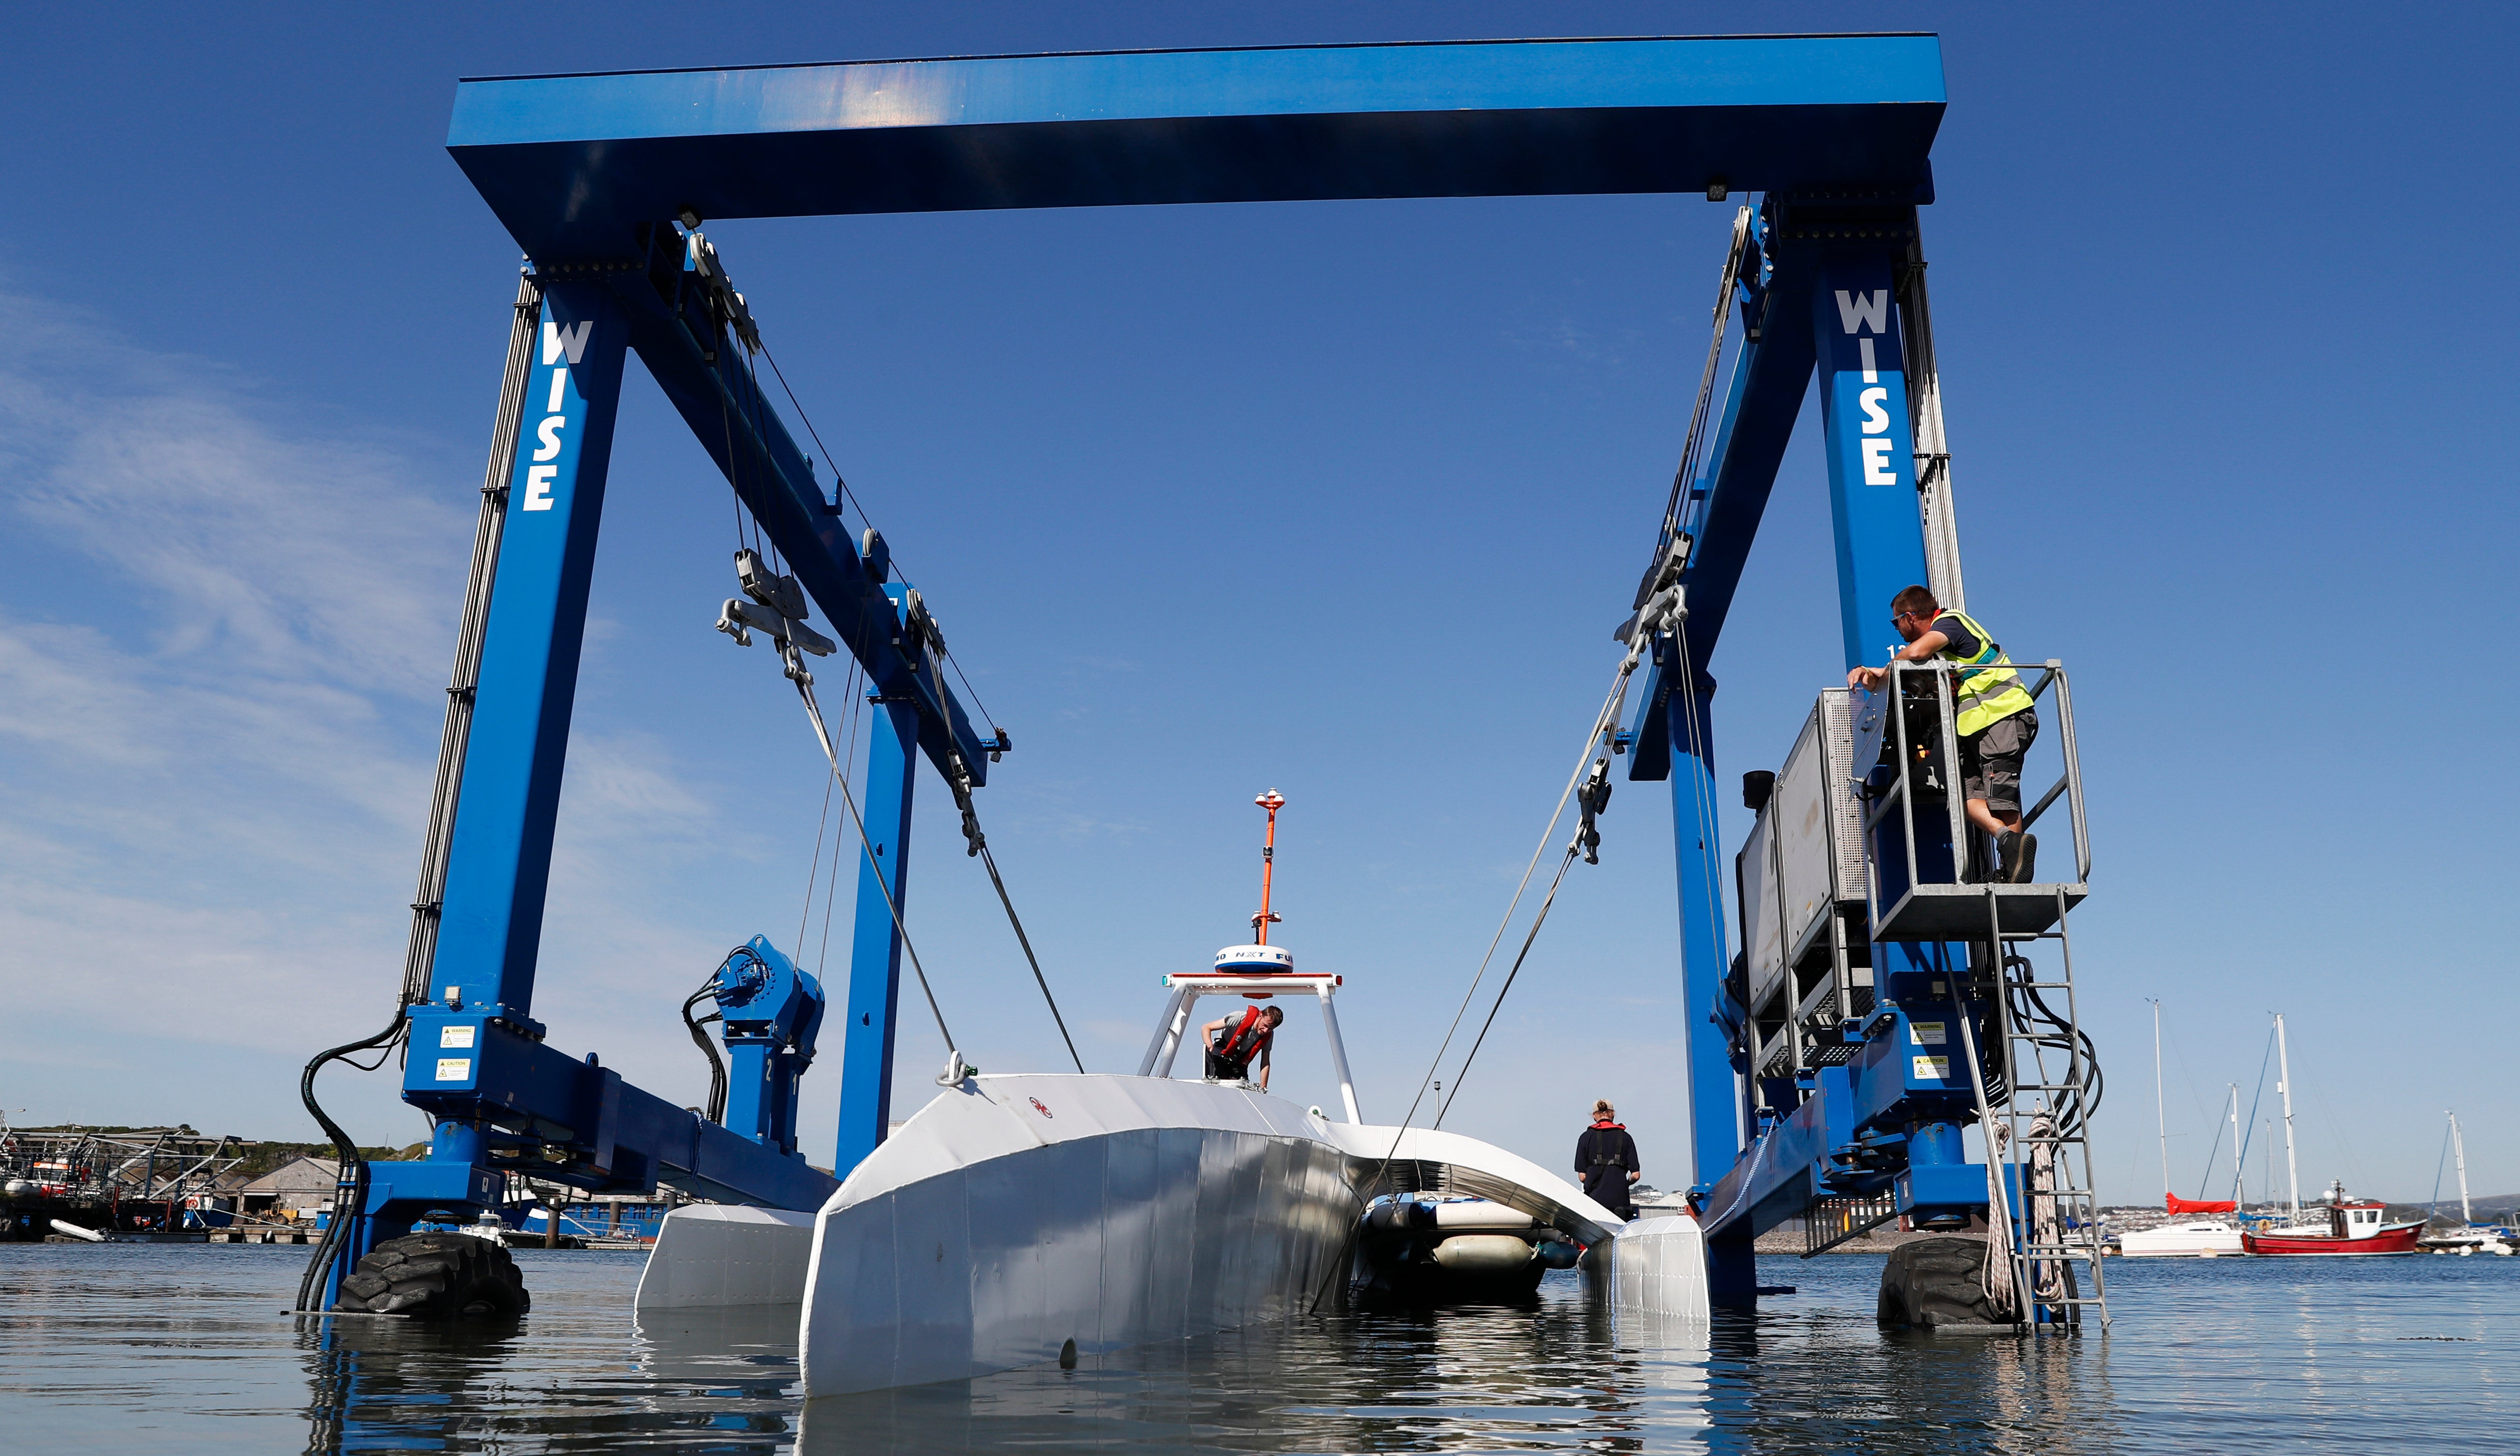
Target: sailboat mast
2283	1084
2160	1117
2238	1193
2459	1148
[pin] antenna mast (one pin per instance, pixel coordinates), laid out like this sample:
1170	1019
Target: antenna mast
1273	802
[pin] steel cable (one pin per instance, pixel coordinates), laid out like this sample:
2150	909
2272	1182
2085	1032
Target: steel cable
1464	1070
1034	961
866	842
1604	723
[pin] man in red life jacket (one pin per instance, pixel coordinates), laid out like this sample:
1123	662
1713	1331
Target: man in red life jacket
1229	1055
1605	1159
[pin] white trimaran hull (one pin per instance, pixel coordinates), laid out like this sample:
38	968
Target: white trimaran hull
1015	1215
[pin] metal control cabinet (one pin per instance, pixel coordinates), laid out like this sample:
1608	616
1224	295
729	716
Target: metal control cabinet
1800	882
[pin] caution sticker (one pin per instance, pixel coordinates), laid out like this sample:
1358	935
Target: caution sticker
462	1036
1935	1068
460	1069
1926	1033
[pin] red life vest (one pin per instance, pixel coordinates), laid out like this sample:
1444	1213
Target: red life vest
1245	1042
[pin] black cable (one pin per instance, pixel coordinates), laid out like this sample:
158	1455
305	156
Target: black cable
846	496
716	1104
986	716
1464	1070
2073	1111
331	1248
1025	941
839	482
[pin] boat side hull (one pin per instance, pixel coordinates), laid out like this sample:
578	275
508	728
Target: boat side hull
2386	1240
2180	1241
1104	1242
1014	1215
1021	1219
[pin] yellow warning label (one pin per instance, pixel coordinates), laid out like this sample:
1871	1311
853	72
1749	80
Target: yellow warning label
1938	1068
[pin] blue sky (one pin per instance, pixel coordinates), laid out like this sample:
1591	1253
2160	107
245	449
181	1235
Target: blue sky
1341	498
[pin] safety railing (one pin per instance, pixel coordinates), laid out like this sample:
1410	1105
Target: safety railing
1909	727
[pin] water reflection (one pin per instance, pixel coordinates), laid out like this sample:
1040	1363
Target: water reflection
157	1349
1824	1378
709	1381
1554	1371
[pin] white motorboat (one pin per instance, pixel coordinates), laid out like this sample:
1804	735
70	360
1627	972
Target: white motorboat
1031	1217
1019	1219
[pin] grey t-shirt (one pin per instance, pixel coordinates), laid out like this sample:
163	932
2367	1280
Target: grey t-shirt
1963	641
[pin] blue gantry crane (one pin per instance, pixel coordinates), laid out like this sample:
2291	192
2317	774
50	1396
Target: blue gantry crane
1887	993
503	1100
606	182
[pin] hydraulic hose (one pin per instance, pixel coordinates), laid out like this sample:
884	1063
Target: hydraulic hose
336	1243
708	1048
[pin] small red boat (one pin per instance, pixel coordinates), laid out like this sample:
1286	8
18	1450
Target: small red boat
2353	1226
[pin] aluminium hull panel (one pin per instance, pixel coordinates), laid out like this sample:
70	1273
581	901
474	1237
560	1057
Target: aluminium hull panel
1014	1215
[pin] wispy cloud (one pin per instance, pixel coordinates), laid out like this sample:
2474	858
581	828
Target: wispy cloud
223	646
215	644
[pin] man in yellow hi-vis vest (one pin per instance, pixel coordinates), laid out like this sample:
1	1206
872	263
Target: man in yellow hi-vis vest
1996	719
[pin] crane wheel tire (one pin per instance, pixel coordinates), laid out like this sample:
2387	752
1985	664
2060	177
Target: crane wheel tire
1937	1281
436	1277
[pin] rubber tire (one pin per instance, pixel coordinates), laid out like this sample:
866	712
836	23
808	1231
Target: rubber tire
437	1277
1930	1282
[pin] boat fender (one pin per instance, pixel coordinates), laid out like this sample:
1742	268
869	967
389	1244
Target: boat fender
1483	1253
1479	1215
1558	1254
63	1226
1400	1217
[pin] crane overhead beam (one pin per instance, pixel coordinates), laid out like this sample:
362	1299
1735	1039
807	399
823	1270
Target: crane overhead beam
573	164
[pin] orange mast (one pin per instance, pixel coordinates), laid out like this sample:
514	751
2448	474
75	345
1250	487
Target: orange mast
1273	802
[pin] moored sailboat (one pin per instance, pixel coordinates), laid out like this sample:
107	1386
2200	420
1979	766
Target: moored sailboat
2206	1238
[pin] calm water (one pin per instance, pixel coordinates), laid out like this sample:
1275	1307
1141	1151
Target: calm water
184	1349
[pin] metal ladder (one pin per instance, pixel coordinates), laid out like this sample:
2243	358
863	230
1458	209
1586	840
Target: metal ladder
2042	1119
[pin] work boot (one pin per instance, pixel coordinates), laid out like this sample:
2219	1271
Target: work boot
2016	854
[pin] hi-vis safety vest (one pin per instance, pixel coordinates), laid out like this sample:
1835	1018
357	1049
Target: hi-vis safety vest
1987	698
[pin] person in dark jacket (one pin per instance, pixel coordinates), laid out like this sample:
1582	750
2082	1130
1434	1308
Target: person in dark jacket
1605	1159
